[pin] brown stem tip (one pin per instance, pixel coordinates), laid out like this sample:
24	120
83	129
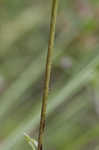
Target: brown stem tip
47	73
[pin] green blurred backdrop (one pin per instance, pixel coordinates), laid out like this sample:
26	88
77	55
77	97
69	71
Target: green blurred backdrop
73	106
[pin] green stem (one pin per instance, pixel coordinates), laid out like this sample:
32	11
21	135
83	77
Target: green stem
47	73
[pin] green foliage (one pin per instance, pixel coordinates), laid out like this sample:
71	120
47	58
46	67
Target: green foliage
33	143
73	106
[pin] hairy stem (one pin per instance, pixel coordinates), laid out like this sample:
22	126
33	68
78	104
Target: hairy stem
47	73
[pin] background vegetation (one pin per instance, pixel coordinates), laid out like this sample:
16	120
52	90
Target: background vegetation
73	106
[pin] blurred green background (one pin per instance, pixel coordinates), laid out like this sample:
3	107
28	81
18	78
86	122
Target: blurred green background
73	106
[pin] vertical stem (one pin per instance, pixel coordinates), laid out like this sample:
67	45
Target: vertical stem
47	73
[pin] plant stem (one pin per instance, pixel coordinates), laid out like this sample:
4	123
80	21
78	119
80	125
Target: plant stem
47	73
